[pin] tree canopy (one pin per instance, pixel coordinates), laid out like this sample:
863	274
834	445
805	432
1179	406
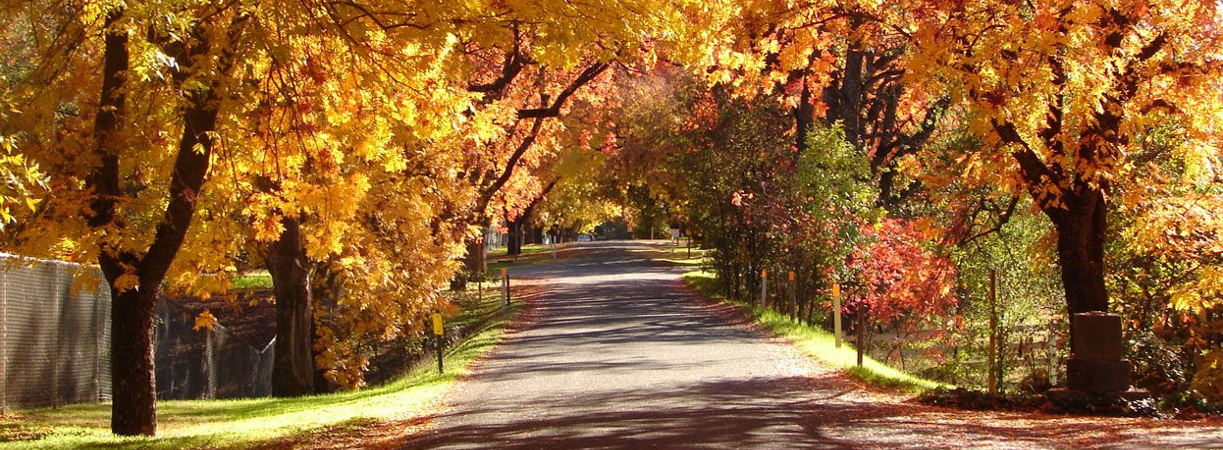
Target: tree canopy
360	150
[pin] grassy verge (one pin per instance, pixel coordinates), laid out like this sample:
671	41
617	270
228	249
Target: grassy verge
528	249
246	423
816	341
496	262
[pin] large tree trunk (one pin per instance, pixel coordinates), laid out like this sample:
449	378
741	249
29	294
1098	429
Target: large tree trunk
514	244
536	236
326	289
804	118
293	367
474	262
134	391
1080	248
134	407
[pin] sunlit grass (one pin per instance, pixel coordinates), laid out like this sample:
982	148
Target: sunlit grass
817	342
247	423
528	249
260	279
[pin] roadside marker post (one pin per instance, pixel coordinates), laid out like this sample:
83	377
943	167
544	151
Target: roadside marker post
793	294
438	331
505	288
764	288
861	336
836	313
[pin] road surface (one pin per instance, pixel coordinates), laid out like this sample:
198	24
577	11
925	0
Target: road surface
619	355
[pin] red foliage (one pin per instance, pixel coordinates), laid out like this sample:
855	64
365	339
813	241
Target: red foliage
899	277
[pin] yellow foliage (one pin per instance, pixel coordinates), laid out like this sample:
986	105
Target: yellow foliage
205	320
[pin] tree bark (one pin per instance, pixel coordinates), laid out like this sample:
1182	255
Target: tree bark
293	366
134	391
804	118
134	407
474	262
514	243
1080	249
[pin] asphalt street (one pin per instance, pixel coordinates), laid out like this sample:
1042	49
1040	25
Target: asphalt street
620	355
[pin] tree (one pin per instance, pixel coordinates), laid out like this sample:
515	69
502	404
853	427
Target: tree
21	180
1062	90
161	75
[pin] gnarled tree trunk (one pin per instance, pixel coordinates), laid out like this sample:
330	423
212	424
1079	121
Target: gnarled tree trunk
514	242
134	407
474	262
134	390
293	367
1080	249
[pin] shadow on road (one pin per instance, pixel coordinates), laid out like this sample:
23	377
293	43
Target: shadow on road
621	357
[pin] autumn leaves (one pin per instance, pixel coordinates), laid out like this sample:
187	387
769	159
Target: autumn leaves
356	150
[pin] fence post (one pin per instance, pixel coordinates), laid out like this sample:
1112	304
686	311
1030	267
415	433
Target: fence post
58	306
836	313
97	335
3	340
210	369
1052	347
993	332
101	325
764	288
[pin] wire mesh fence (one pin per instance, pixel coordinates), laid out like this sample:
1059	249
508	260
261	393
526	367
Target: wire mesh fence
54	338
55	343
207	364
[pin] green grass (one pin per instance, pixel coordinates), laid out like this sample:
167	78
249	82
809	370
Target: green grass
252	280
249	423
534	256
817	341
528	249
681	257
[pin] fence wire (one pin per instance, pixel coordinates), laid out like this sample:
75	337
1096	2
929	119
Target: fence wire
55	343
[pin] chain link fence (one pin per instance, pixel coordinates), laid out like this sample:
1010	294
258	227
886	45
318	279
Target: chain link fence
55	343
207	364
54	338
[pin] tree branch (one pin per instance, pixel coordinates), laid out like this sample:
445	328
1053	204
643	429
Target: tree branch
555	109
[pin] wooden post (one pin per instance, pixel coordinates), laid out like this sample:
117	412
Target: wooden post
861	335
1052	347
438	331
505	288
836	313
764	288
993	332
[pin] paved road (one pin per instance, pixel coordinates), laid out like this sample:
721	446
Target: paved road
619	356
